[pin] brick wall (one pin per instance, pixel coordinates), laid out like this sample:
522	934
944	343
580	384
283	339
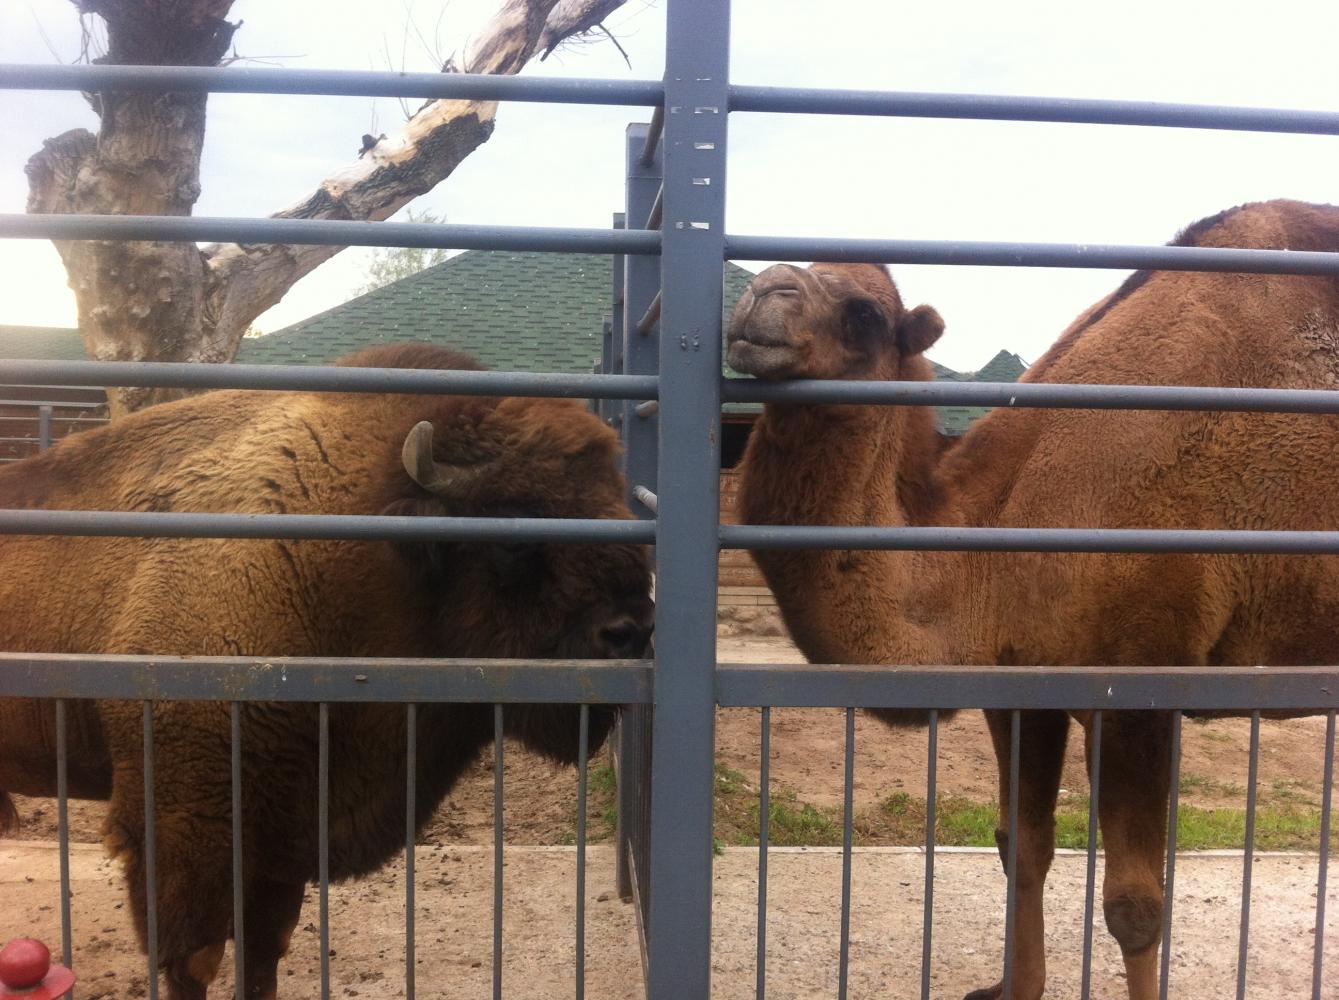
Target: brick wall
740	581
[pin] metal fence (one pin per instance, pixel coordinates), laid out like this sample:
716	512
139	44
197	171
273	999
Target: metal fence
663	361
31	419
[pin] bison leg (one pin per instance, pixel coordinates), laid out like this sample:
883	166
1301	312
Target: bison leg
1041	756
272	910
193	866
189	978
193	899
1132	806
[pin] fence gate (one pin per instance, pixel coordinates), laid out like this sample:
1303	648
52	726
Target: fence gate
662	383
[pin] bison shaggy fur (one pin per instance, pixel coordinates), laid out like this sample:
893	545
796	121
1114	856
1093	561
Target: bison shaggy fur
281	452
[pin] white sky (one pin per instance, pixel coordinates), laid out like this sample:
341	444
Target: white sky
788	175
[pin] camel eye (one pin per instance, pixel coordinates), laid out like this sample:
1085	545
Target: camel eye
865	315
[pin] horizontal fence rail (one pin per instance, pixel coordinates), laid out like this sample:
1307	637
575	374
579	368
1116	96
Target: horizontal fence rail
334	378
333	83
326	378
467	86
1033	394
344	527
329	232
1145	540
1005	254
1221	689
70	404
462	236
998	107
628	682
333	679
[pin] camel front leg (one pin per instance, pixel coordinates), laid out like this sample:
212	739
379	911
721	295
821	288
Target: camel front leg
1041	757
1132	808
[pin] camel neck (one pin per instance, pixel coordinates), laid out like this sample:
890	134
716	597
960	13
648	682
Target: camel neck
848	466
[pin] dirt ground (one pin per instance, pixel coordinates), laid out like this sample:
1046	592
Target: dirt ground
454	926
455	881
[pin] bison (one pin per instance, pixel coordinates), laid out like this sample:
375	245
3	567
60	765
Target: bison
270	452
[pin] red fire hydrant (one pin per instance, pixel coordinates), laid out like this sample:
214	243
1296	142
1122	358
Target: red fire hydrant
26	971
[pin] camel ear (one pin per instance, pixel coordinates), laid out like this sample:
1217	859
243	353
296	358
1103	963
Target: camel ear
918	329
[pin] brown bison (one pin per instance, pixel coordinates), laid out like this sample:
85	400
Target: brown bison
267	452
852	465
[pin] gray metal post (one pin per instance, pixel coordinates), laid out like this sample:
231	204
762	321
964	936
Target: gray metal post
692	253
641	277
612	343
43	427
641	282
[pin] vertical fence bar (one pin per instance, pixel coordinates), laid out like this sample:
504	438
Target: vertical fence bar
622	754
764	822
612	342
692	260
43	427
63	836
654	132
848	808
1090	883
1011	855
410	825
641	284
633	764
238	909
583	736
150	852
497	852
323	839
931	793
1170	882
1248	857
1322	877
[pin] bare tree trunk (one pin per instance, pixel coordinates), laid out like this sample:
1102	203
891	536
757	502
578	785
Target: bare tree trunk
154	301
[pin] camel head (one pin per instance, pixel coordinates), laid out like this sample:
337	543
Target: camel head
829	321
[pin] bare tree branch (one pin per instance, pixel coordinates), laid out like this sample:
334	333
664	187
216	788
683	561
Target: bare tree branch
247	280
576	17
166	301
621	51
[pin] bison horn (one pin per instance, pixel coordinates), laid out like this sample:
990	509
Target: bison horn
439	478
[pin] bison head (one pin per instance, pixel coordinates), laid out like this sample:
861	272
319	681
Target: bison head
528	458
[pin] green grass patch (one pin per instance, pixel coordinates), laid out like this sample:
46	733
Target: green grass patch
1288	821
1198	784
792	823
601	807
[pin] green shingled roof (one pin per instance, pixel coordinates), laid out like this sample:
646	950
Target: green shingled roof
1003	367
41	343
539	312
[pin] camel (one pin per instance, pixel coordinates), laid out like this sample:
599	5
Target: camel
872	465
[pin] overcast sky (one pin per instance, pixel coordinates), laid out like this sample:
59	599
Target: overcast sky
788	175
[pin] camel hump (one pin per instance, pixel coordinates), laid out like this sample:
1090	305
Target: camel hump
9	816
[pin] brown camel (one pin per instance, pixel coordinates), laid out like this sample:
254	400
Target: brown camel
860	465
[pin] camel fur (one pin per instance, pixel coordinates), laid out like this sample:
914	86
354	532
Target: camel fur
863	465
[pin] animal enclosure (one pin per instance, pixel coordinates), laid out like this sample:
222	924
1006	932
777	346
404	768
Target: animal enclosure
661	385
